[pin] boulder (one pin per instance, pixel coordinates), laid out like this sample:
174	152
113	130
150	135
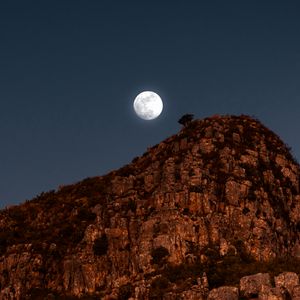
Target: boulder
250	286
224	293
273	293
287	280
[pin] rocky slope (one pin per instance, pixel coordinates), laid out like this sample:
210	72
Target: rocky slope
204	208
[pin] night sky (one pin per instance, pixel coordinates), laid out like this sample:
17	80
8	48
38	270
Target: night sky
70	70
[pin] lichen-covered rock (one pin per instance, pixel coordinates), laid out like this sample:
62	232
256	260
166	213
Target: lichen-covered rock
220	197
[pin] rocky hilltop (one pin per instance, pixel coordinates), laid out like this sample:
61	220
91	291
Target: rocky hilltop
211	212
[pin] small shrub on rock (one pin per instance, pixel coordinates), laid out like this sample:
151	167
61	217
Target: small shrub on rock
186	119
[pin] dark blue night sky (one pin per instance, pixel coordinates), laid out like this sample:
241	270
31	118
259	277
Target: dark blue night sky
70	70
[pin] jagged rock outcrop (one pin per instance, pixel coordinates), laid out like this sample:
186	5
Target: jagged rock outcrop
204	208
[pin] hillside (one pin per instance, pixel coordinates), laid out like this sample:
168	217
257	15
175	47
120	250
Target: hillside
209	205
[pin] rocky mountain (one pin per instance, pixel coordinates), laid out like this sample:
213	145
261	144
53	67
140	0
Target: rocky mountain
213	212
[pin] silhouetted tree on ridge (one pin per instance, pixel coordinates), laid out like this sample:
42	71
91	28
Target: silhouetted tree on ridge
186	119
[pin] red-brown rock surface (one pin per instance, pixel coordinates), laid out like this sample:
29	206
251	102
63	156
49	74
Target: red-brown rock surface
217	201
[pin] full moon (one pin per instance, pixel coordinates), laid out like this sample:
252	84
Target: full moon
148	105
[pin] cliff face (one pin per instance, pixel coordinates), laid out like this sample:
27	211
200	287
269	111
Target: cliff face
218	201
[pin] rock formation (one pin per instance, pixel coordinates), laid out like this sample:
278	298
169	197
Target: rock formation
193	218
